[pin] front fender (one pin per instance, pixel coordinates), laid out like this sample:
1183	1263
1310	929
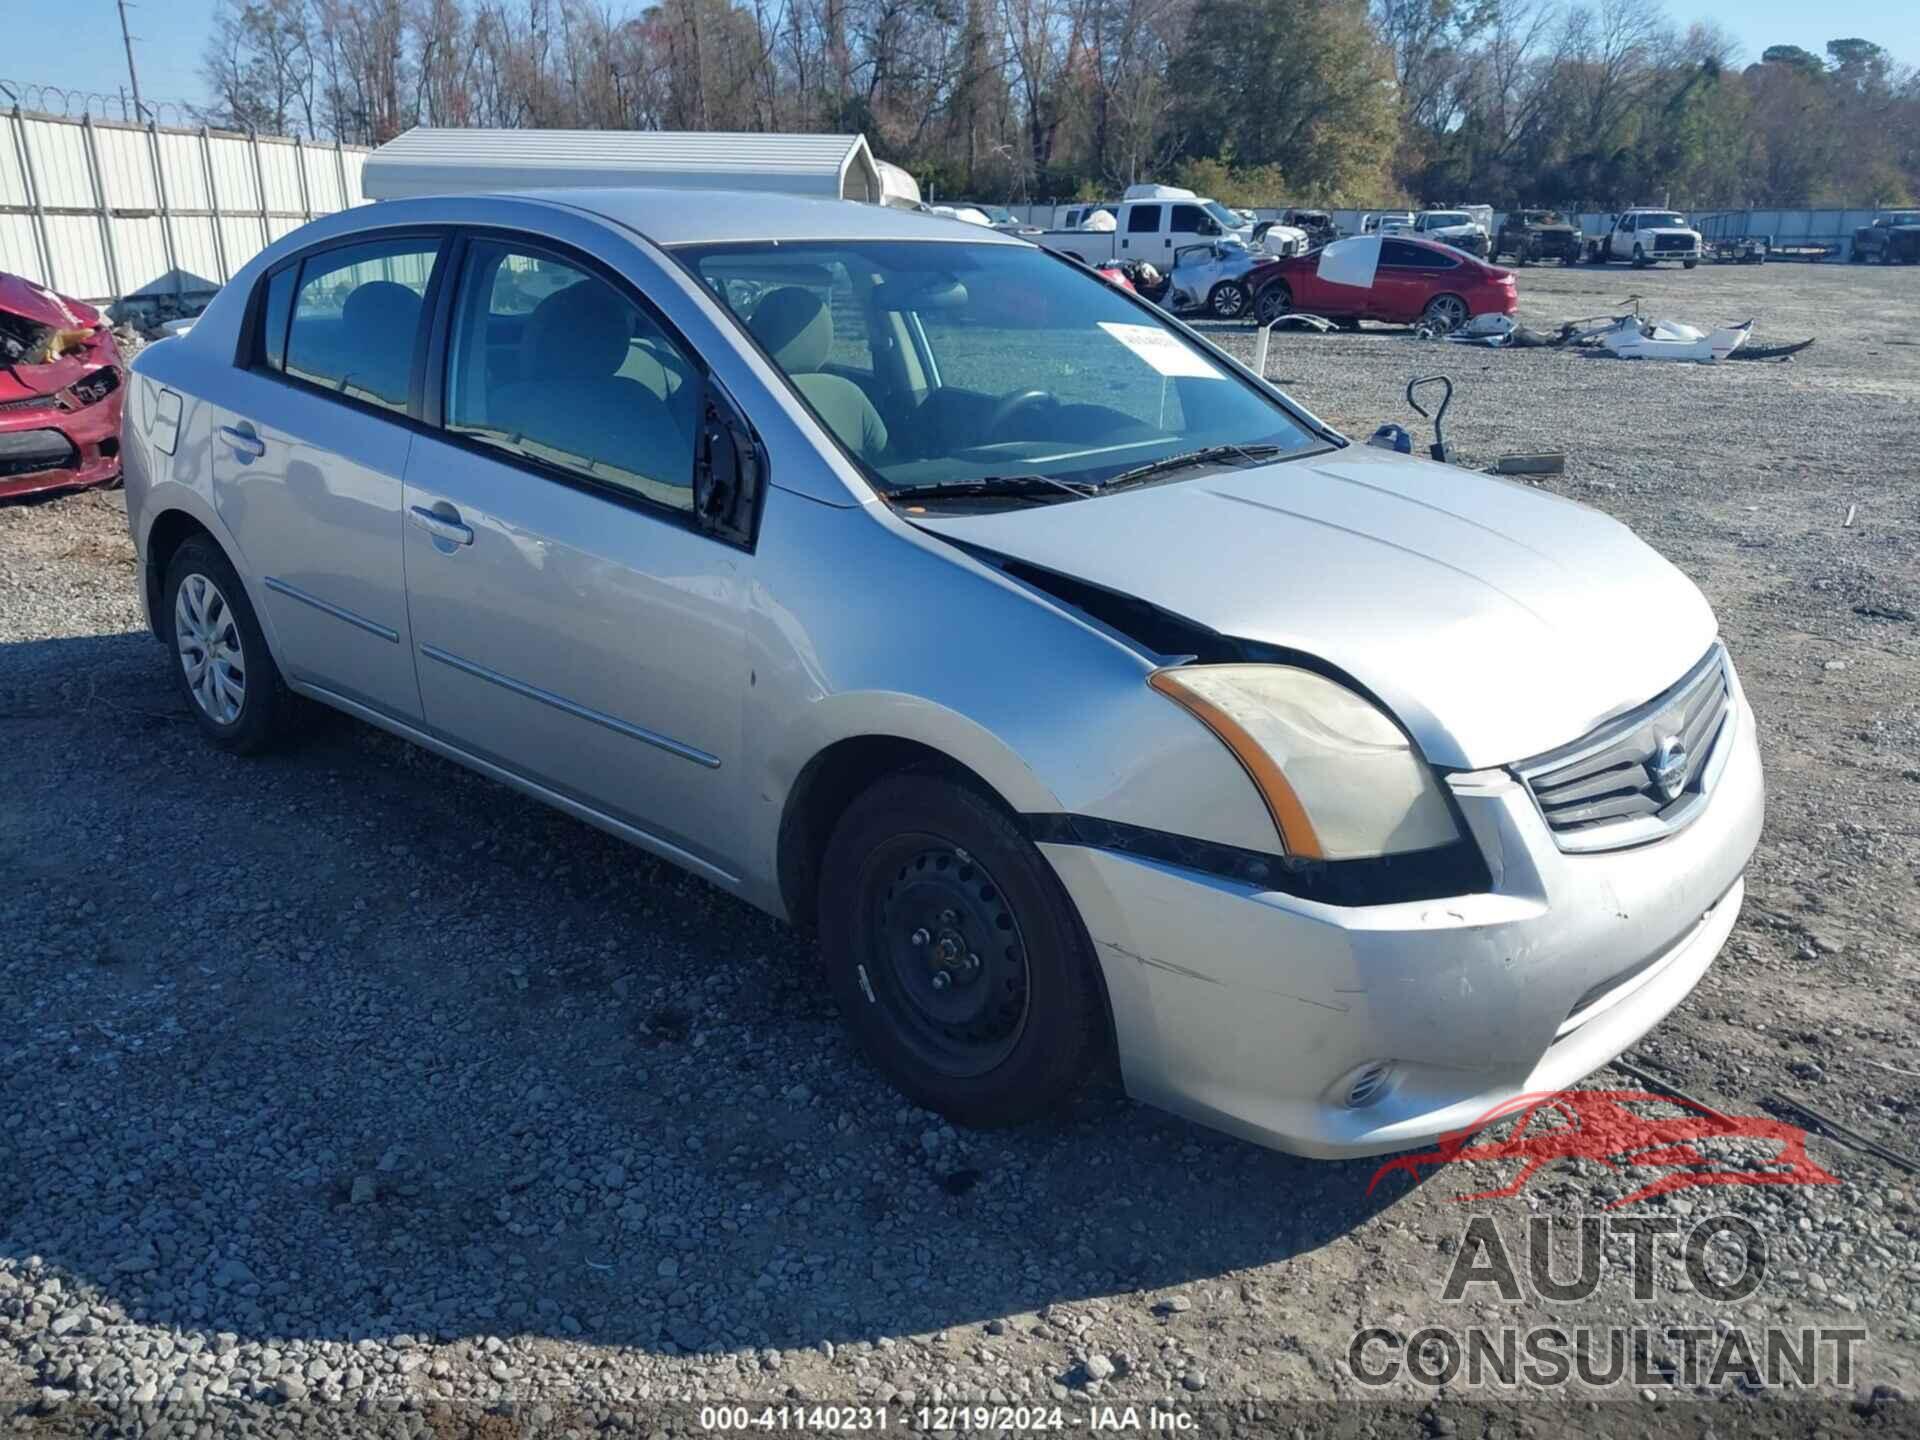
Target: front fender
1046	707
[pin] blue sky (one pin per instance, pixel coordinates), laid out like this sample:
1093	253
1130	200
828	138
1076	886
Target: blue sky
76	43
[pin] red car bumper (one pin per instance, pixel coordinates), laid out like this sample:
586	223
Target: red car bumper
43	447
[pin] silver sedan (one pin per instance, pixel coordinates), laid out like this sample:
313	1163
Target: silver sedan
1085	694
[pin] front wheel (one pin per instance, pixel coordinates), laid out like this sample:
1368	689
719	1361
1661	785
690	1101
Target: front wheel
1688	264
230	682
1272	302
1228	300
1639	258
955	955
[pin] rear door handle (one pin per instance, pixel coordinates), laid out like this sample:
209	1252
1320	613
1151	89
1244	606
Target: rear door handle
244	440
441	527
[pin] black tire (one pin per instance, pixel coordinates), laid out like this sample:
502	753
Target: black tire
1639	257
1688	264
1855	255
264	711
1348	323
1568	258
1228	300
1273	301
922	858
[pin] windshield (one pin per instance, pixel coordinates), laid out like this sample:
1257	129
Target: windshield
999	214
1661	219
938	363
1442	219
1228	220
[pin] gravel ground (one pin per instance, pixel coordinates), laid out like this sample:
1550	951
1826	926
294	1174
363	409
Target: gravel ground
343	1090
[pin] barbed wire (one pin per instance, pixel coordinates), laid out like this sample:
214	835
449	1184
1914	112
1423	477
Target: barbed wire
74	103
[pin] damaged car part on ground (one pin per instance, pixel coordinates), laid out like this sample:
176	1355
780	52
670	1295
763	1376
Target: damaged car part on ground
917	586
60	392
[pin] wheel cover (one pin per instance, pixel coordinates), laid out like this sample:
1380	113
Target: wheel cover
211	653
949	962
1227	300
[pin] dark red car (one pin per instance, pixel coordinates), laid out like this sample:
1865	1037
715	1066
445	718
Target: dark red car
1391	278
60	391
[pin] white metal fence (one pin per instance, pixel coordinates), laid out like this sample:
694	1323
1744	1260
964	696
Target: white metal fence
103	210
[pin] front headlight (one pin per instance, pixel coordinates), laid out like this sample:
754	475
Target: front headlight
1340	779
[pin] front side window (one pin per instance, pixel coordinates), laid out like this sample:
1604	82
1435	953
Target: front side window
1185	220
551	364
1143	220
1005	361
355	317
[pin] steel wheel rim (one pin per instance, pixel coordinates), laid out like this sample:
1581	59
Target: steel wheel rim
949	961
207	637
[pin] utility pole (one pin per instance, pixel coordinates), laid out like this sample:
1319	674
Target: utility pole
133	74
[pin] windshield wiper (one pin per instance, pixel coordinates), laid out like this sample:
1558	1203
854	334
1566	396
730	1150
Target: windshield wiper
990	487
1210	455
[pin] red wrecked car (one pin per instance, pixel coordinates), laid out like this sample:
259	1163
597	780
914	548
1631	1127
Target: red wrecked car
1393	278
60	391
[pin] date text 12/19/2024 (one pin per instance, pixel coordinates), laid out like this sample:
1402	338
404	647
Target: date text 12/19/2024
976	1419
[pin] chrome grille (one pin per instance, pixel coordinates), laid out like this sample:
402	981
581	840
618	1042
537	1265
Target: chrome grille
1601	792
1672	242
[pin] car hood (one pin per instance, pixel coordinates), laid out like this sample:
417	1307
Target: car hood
1667	230
1495	620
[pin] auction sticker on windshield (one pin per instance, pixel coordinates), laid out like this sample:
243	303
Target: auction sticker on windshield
1161	350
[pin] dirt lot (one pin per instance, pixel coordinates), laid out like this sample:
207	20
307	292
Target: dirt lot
347	1090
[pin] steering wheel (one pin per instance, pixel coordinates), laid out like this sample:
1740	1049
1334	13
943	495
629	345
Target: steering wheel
1014	404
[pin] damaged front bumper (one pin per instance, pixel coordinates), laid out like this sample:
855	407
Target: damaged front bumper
1340	1031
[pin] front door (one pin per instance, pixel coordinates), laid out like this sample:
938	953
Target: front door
308	459
571	622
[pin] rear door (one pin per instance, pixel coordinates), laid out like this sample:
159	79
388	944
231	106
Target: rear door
1141	236
308	457
572	621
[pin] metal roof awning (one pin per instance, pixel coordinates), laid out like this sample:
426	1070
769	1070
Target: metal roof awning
450	162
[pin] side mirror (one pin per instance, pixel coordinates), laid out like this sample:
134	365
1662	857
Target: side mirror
726	471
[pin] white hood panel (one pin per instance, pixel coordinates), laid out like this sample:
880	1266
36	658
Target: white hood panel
1497	621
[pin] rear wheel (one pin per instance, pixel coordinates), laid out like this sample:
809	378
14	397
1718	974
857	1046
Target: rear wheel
221	662
1228	300
1856	256
1448	311
955	955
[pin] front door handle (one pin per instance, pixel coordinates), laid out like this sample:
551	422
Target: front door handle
244	440
441	527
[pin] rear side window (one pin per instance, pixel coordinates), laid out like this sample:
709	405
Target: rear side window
1402	256
551	364
1143	219
356	315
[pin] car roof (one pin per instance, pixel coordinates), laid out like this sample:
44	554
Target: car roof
687	217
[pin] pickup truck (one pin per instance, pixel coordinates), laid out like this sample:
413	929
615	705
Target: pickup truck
1646	237
1530	235
1892	237
1459	228
1153	226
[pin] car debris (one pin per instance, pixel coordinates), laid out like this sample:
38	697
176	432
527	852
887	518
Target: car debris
1544	462
60	391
